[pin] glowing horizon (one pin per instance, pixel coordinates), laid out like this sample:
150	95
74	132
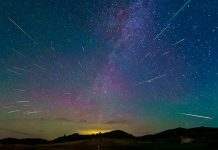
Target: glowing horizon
93	131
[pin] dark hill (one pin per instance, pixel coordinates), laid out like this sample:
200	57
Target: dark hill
75	137
69	138
199	135
117	134
23	141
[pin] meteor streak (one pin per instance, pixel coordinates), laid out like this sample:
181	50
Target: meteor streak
22	101
38	66
13	111
15	72
32	112
179	41
22	30
149	81
165	53
27	105
169	22
16	51
83	49
67	93
6	107
179	10
144	57
162	31
198	116
20	90
80	64
21	69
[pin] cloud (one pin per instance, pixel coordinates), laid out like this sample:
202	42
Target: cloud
83	121
71	120
118	122
17	132
64	119
57	119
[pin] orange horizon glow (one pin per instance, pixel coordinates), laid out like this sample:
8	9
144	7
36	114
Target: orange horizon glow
92	131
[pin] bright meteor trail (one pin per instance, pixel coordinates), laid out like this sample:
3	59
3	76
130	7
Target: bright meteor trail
22	30
179	10
198	116
149	81
179	41
162	31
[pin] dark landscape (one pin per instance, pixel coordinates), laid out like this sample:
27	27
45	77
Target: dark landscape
179	138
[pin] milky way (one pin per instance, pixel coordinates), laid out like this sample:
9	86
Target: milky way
81	66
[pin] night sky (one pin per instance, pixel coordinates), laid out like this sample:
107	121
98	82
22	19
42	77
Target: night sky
86	66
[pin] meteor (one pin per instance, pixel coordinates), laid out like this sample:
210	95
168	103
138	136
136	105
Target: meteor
32	112
22	30
13	111
67	93
22	101
165	53
15	72
198	116
16	51
80	64
179	41
140	43
38	66
20	90
27	105
145	56
149	81
83	49
162	31
169	22
180	10
53	48
6	107
21	69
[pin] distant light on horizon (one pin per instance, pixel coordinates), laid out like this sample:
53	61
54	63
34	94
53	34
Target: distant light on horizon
92	131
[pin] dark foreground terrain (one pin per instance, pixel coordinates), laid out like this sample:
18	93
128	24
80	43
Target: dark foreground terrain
84	145
179	139
105	144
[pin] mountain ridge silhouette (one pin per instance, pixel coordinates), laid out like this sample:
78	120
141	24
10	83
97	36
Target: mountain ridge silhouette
201	134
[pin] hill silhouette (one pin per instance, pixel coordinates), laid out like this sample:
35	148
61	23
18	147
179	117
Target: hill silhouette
201	136
75	137
23	141
192	132
117	134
